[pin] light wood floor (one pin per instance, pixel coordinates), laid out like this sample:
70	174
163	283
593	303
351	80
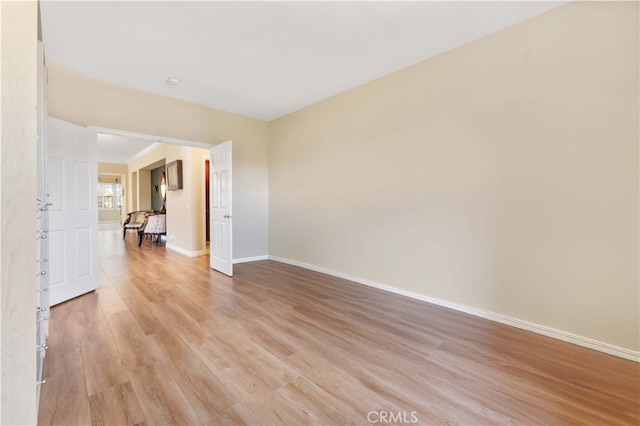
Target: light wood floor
165	340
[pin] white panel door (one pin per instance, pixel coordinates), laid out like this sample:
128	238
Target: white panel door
73	215
221	250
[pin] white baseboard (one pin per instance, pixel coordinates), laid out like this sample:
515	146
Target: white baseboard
250	259
196	253
524	325
186	252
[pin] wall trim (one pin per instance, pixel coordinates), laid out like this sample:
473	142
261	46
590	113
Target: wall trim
159	139
250	259
143	152
186	252
503	319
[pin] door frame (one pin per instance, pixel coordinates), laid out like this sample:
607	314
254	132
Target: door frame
203	162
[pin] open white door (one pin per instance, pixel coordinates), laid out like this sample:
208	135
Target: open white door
73	216
221	252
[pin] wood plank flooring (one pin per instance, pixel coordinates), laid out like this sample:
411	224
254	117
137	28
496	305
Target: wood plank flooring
165	340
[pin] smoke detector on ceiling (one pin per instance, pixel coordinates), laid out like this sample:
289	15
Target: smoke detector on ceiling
173	81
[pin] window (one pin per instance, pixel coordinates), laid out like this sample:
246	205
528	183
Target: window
109	196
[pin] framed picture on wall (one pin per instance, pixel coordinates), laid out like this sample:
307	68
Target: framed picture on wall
174	175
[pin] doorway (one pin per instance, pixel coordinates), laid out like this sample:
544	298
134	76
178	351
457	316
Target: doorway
201	232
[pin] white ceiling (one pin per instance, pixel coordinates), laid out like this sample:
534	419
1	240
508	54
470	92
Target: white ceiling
122	149
262	59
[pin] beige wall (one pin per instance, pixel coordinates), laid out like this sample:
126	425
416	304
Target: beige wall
109	216
502	175
18	42
82	100
144	189
131	193
113	169
184	207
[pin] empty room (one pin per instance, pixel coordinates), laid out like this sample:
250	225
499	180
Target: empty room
290	213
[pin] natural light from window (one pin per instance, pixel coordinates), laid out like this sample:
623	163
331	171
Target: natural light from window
109	196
